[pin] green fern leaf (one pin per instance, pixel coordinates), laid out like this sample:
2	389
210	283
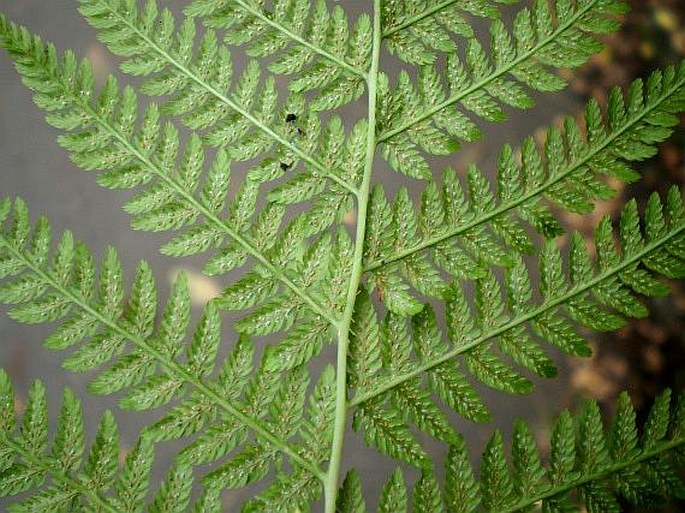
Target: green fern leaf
496	484
133	481
383	429
484	228
461	489
172	202
638	475
293	33
394	495
351	499
161	366
426	495
615	297
55	475
174	494
198	93
103	457
417	31
541	39
428	293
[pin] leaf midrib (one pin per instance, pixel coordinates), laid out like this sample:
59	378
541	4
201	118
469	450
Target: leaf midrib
332	484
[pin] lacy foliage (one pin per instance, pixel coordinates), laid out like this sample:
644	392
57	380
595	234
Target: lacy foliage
259	167
601	467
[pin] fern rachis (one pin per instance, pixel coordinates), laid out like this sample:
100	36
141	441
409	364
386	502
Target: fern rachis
376	292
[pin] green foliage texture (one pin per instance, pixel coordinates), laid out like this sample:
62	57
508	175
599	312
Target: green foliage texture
453	281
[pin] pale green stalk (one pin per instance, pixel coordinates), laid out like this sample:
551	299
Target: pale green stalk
335	461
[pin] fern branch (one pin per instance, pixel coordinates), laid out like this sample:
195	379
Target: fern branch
210	216
595	149
356	273
46	465
57	476
416	32
172	368
606	472
32	53
178	188
499	72
300	40
674	233
184	70
601	464
622	456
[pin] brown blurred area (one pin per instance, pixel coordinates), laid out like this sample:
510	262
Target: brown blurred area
648	355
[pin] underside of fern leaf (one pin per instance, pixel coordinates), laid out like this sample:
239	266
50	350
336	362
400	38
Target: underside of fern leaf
602	466
265	165
62	476
155	365
389	368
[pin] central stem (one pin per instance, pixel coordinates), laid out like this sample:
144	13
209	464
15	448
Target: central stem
335	461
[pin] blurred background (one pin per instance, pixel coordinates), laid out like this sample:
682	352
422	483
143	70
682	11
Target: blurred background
644	358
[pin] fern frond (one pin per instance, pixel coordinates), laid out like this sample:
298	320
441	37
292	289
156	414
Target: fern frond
302	38
417	31
241	113
424	117
602	465
246	416
640	470
458	233
63	475
177	197
154	365
596	295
